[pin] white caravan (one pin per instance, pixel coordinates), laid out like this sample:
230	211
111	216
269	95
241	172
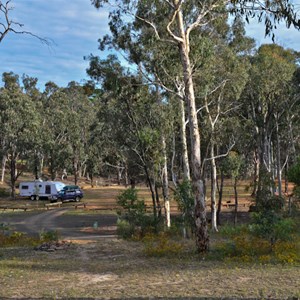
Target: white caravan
40	189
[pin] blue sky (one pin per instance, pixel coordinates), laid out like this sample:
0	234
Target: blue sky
74	26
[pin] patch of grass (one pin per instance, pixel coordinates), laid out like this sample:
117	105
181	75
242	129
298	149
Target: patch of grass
17	239
118	269
162	244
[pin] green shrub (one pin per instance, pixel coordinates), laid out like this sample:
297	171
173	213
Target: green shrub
125	229
134	209
17	239
271	226
49	236
4	193
184	197
133	219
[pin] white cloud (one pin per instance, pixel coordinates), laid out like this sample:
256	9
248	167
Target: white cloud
74	27
285	37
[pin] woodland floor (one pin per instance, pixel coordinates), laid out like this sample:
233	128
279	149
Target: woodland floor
116	269
110	268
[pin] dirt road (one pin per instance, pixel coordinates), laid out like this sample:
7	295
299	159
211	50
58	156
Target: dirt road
69	226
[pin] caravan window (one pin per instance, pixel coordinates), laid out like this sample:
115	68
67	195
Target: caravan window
24	187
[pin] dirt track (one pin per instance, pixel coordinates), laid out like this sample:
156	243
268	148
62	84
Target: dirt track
69	226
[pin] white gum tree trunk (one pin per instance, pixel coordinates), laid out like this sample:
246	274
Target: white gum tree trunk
201	232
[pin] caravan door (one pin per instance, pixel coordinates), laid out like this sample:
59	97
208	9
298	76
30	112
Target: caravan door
48	189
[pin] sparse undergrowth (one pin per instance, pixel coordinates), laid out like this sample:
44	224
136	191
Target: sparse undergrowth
118	269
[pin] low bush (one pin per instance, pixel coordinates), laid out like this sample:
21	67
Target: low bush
162	244
239	244
49	236
272	227
4	193
17	239
124	229
185	200
133	219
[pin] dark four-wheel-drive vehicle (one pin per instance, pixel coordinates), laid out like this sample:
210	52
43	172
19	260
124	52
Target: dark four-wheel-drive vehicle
68	193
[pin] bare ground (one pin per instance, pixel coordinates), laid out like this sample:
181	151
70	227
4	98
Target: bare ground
111	268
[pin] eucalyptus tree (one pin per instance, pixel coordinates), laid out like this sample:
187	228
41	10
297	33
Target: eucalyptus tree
174	22
19	123
79	118
55	128
133	117
36	154
267	100
219	82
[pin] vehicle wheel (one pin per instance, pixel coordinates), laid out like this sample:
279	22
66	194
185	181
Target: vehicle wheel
37	197
32	197
77	199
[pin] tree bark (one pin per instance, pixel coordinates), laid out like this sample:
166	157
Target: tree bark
166	185
235	201
174	177
220	189
278	165
158	206
152	191
185	157
13	174
256	174
213	189
201	232
75	170
4	159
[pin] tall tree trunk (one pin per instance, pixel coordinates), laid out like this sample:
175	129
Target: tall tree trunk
151	190
213	189
278	165
286	181
174	177
166	184
235	201
272	168
201	232
13	174
75	170
126	182
41	164
256	173
119	174
185	157
91	175
158	206
37	166
4	159
220	189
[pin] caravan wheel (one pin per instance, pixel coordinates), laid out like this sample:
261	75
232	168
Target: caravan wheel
37	197
32	197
